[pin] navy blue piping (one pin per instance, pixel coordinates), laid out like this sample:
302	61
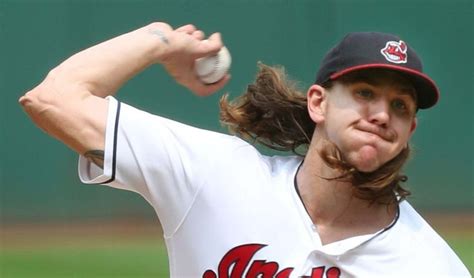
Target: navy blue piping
114	154
397	216
296	187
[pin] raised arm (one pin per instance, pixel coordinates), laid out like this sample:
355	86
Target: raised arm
69	104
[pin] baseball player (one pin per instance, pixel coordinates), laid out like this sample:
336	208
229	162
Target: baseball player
338	210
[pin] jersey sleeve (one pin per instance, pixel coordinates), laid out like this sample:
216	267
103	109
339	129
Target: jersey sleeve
164	161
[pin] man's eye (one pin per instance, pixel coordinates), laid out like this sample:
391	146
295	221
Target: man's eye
367	94
399	105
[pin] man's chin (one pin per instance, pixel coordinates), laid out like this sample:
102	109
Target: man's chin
367	168
366	159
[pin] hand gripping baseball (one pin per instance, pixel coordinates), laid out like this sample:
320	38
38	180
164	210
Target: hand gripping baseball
184	46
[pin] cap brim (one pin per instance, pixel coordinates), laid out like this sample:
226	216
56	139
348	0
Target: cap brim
427	91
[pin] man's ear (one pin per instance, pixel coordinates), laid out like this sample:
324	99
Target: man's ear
316	97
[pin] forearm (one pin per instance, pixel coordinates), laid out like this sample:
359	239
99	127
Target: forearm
69	103
104	68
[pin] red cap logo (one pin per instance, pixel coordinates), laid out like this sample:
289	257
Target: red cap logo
395	52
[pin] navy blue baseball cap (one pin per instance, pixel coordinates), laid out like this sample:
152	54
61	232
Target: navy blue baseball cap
366	50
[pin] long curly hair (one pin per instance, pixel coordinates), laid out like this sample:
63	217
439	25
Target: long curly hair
273	112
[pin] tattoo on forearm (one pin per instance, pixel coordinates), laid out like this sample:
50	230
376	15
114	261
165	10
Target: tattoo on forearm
162	36
96	157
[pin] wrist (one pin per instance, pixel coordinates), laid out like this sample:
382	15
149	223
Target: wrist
160	37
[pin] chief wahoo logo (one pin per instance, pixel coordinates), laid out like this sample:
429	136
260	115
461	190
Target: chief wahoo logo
395	52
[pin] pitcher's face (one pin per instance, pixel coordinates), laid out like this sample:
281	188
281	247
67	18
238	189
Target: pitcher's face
369	123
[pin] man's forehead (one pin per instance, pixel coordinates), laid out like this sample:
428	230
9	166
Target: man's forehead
403	88
377	77
392	79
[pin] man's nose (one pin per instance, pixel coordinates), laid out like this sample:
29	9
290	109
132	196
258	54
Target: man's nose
379	113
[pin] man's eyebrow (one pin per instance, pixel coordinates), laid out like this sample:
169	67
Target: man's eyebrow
410	91
404	89
407	91
374	82
363	82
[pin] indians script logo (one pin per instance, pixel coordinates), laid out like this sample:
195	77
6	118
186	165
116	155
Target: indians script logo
395	52
239	259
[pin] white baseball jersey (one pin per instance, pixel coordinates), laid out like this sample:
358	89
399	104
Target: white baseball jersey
228	211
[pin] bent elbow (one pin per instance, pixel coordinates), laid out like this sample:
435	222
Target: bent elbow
34	101
27	100
44	94
36	108
40	101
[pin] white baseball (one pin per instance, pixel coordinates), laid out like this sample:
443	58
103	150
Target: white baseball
211	69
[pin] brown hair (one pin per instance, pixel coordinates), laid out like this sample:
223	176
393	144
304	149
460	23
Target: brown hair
273	112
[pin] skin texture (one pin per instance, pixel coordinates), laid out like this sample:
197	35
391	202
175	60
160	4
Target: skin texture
370	124
69	104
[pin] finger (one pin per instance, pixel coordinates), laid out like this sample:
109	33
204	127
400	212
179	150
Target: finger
210	46
205	90
198	34
216	39
188	28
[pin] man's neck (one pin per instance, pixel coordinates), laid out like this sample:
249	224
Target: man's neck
331	204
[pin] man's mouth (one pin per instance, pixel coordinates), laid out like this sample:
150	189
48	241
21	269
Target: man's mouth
383	133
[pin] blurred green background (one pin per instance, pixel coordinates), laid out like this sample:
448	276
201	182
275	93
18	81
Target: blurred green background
38	180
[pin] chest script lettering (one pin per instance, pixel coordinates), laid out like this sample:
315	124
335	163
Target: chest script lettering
237	260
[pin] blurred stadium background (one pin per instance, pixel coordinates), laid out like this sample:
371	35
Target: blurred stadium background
52	226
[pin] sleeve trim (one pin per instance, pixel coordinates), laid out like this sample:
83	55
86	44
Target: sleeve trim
114	155
89	173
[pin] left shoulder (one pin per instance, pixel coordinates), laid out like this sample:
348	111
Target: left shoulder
411	222
415	229
420	240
